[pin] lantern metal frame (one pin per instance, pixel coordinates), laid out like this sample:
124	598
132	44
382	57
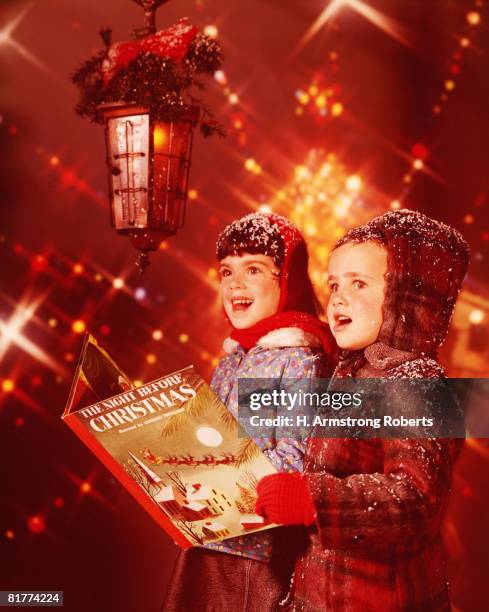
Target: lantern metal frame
149	164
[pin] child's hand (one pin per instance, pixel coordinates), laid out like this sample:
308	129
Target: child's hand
284	498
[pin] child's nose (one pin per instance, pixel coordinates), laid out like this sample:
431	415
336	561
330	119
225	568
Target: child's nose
339	299
237	281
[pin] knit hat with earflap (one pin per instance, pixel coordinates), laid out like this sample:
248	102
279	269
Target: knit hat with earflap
277	237
426	264
274	235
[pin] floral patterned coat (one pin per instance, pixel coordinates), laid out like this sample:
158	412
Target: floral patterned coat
379	506
287	353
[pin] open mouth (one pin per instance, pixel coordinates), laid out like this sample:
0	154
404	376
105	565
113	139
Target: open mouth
341	322
241	304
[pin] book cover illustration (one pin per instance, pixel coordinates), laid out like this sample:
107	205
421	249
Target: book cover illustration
176	448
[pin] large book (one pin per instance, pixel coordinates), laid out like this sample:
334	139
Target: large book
172	444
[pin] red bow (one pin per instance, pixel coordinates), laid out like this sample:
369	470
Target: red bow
170	44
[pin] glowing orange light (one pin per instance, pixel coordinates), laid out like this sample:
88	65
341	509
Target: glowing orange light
193	194
159	137
157	334
233	98
321	101
118	283
212	273
52	322
238	124
220	77
204	355
464	42
250	164
313	90
468	219
449	85
418	164
54	160
151	358
85	487
36	524
265	208
9	534
98	277
77	269
8	385
303	98
183	338
337	109
69	357
211	31
78	326
353	183
473	18
395	205
214	362
137	383
476	316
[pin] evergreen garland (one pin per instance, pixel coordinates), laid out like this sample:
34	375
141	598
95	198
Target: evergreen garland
161	85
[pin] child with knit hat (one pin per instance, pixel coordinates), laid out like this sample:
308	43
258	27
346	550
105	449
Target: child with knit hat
270	303
375	506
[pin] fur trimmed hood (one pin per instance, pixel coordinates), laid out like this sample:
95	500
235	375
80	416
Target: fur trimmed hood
285	337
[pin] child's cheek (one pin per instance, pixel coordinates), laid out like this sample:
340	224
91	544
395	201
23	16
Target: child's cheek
366	311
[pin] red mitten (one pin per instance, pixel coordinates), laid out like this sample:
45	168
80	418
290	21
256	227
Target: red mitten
285	499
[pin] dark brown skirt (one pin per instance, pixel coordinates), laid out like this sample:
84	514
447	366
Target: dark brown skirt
210	581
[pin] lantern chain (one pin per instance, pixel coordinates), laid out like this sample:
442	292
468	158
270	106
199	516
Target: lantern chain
150	7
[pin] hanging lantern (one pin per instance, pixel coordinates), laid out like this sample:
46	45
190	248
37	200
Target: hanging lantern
149	163
139	90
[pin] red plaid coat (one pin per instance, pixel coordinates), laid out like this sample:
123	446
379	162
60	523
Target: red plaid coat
379	507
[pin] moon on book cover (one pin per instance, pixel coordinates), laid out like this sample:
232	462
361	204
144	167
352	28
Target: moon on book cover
208	436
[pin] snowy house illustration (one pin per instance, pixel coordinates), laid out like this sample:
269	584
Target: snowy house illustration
194	511
252	521
171	499
215	500
213	530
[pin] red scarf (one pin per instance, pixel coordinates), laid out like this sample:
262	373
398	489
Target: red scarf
248	338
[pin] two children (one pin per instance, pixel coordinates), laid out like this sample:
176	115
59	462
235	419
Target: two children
270	304
377	505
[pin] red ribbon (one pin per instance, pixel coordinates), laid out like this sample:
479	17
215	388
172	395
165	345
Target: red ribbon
169	44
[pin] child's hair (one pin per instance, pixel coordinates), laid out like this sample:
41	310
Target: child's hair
252	234
361	234
277	237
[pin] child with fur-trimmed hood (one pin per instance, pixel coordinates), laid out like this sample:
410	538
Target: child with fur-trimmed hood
270	303
375	506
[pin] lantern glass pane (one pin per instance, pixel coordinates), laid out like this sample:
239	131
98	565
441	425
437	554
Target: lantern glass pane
171	166
128	147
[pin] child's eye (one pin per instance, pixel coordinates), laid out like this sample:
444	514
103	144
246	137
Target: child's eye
358	284
333	287
253	270
224	273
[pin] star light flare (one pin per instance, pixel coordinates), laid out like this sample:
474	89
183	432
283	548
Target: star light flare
6	39
11	334
377	18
